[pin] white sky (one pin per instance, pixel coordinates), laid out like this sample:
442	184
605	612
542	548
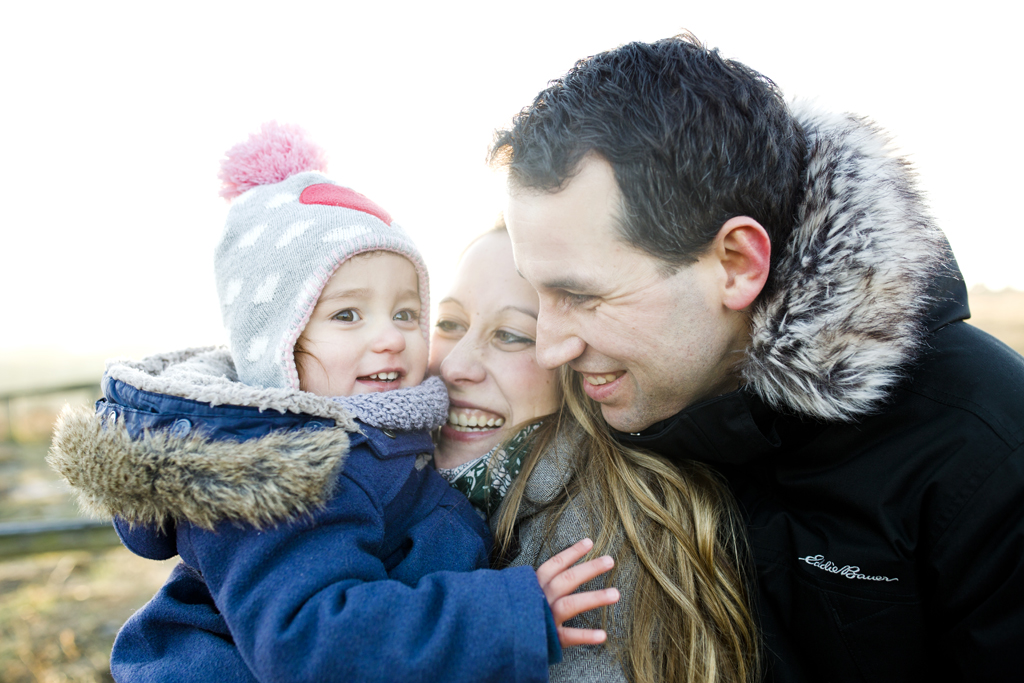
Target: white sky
116	115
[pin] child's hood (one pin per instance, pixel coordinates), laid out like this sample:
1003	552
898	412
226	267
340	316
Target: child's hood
177	437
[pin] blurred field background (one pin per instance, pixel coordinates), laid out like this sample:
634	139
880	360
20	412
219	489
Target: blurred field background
60	611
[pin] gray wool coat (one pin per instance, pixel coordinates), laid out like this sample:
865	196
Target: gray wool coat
583	663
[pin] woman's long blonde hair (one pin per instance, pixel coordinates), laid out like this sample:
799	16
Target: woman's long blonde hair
689	617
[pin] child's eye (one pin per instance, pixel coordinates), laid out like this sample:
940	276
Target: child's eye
349	315
407	316
506	337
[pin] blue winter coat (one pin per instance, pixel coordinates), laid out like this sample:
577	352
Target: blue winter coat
313	548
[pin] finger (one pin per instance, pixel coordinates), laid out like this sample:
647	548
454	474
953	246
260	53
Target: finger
568	637
567	558
574	577
568	607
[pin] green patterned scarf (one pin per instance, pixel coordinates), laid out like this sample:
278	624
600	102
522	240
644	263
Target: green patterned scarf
486	479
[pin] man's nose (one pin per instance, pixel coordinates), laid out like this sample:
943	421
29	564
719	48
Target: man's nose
557	342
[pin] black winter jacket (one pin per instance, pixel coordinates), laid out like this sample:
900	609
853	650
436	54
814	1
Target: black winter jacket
887	530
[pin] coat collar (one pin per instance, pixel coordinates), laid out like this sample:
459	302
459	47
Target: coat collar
208	376
863	276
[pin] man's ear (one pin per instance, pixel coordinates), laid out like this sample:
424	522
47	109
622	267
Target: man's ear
743	249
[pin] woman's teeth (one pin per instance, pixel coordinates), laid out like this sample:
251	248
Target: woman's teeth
473	420
384	376
602	379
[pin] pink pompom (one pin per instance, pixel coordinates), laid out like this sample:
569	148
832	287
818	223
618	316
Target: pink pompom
275	153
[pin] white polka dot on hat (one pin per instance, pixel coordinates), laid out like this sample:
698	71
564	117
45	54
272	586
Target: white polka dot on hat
288	230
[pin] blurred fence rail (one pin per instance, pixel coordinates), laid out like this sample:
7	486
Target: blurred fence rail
26	421
28	538
6	396
28	413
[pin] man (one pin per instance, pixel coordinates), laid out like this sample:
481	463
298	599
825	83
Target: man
762	290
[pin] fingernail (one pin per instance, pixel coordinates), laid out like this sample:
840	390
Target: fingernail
587	542
613	594
607	561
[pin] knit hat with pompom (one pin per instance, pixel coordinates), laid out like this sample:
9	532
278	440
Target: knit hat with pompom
288	230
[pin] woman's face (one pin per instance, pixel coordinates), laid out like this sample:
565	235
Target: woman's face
483	348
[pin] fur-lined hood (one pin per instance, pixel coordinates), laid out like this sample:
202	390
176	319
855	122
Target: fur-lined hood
178	437
851	300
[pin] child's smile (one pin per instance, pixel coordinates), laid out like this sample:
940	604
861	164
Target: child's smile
381	381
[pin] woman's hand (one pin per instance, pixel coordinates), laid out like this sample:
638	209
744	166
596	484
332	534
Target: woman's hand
559	578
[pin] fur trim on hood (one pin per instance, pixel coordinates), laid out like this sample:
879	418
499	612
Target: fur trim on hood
263	481
849	305
157	476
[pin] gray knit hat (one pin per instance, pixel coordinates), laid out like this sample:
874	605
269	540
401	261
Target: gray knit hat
288	230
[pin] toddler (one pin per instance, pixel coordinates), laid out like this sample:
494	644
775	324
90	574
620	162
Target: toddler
291	471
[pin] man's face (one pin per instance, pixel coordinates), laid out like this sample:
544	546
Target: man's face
646	343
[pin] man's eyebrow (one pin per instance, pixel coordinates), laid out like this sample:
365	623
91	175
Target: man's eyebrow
567	283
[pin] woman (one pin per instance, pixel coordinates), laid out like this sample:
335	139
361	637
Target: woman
483	346
684	611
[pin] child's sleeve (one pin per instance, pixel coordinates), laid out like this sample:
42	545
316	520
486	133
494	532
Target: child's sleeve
147	540
311	601
178	636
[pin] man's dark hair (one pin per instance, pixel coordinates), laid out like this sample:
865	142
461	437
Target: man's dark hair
694	140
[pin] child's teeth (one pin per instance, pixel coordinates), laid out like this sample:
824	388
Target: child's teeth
463	421
384	376
499	421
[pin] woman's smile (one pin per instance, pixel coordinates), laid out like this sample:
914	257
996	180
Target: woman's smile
473	419
471	425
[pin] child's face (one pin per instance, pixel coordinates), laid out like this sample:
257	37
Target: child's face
364	330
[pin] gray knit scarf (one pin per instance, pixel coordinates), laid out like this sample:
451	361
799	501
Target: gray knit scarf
424	406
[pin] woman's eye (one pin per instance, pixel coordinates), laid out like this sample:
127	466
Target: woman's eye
448	325
407	316
506	337
349	315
